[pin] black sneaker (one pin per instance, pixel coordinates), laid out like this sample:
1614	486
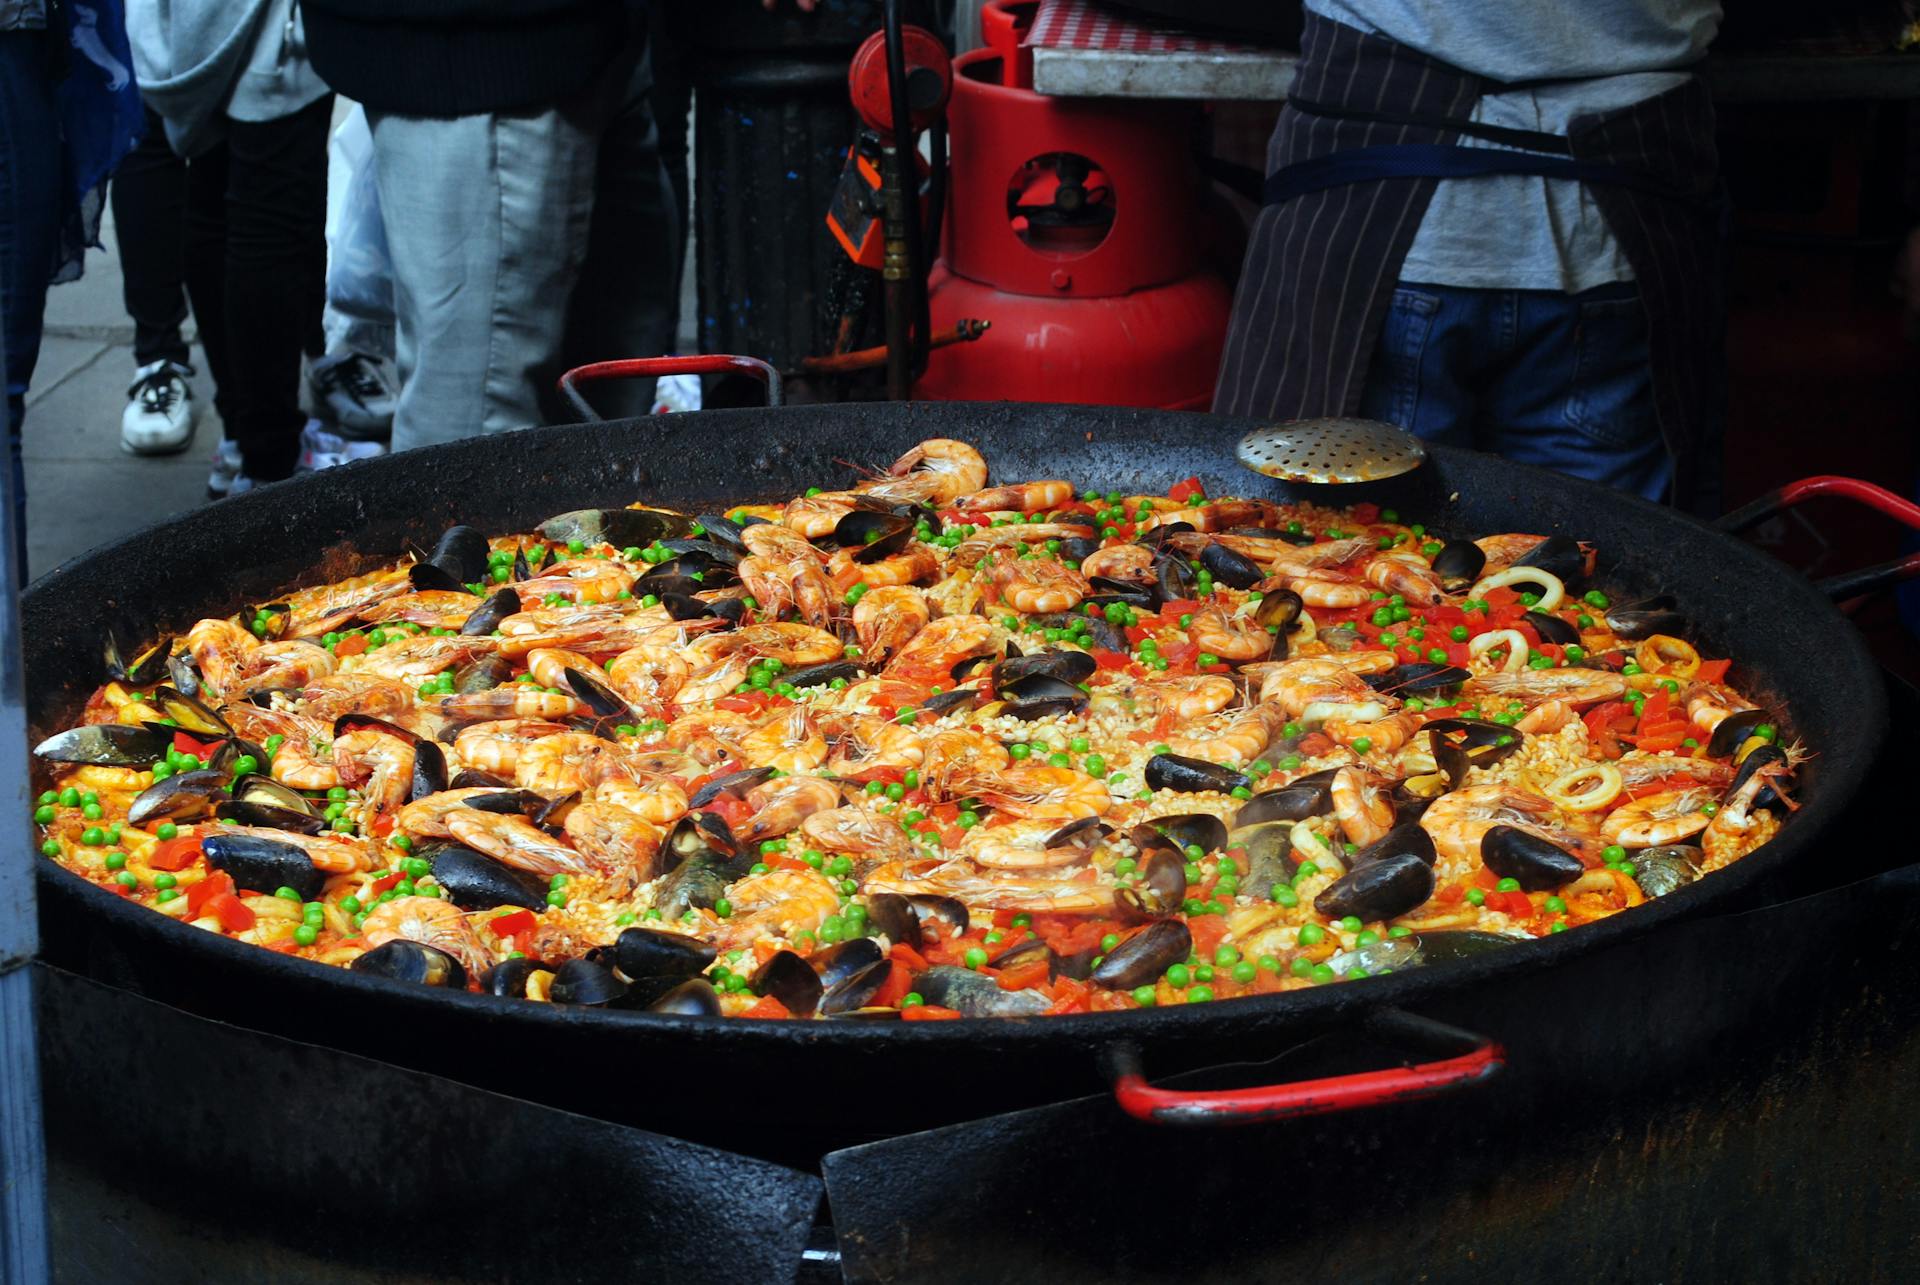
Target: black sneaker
356	394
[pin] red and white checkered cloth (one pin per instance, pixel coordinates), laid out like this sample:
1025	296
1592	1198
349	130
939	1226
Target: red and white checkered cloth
1085	24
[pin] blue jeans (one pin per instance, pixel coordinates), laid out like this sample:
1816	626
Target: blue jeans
1544	378
30	208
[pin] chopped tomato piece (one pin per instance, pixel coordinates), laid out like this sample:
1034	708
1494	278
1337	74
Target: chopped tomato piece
1712	671
929	1013
1105	659
907	955
1655	709
188	745
1179	607
387	881
1366	514
234	915
1451	895
201	893
507	925
739	704
1207	932
351	645
766	1006
175	854
732	810
1023	977
899	982
1314	744
383	825
1187	489
1070	996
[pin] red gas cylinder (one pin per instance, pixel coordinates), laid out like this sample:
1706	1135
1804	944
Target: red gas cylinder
1075	227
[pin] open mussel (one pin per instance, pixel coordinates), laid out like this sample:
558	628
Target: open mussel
462	553
1160	889
149	666
703	555
1158	537
429	770
733	783
1389	954
511	978
1664	869
1234	570
1041	696
1180	832
692	885
475	881
427	578
1024	955
1637	620
263	865
1193	776
1174	577
822	674
1418	676
854	986
1378	890
975	994
190	794
1450	945
1278	609
837	963
587	984
1106	591
1144	956
684	606
263	801
1769	757
1733	730
189	714
486	617
1295	801
905	920
646	952
1066	666
108	745
944	702
1462	743
695	998
787	978
1458	564
872	535
1559	556
596	695
1551	628
1407	838
621	528
1539	865
725	531
412	961
700	835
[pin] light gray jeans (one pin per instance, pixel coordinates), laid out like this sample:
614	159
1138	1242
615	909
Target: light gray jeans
524	243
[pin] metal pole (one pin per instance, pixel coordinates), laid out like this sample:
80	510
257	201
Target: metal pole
23	1161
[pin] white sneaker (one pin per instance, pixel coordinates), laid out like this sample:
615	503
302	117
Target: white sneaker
160	412
355	393
320	449
226	469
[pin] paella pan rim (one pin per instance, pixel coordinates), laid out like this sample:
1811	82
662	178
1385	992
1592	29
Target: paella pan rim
1847	672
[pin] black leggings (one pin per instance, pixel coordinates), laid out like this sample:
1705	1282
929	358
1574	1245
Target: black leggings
242	226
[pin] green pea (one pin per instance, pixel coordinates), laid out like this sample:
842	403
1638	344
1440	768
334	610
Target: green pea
723	908
93	836
1145	996
43	815
1311	935
1244	972
1475	897
975	957
1284	895
1321	974
1508	885
1199	995
557	898
1179	976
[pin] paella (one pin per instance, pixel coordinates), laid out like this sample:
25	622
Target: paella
921	744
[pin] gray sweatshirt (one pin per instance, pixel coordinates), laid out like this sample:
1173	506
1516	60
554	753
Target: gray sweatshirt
203	62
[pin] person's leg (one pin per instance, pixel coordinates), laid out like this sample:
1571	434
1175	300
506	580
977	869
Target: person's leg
149	194
487	220
205	258
29	233
1576	393
1422	376
627	303
276	254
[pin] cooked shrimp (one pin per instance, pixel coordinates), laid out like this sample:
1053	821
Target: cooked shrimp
986	541
1021	845
511	838
785	571
647	680
790	741
1667	817
304	760
317	610
1079	893
429	608
858	831
707	733
549	666
1217	516
577	580
715	681
1023	497
1638	769
325	699
938	471
415	660
1133	563
651	796
613	838
1458	820
781	805
790	644
1239	738
220	649
380	764
1321	590
337	854
868	744
1305	559
510	700
886	619
931	654
1406	574
426	818
1038	790
292	663
1504	550
431	922
1191	697
814	516
1382	735
1299	685
1234	637
496	747
1576	688
1546	718
954	752
1038	585
1738	827
1361	804
779	903
563	762
1709	707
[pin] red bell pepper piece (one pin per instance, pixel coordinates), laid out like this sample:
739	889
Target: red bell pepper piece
517	921
1712	671
928	1013
1185	490
175	854
201	893
899	982
1024	977
351	645
767	1006
234	915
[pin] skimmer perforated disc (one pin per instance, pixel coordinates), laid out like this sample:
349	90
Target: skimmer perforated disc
1331	450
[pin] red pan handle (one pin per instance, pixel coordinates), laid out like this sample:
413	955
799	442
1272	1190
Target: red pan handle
653	367
1471	1059
1854	583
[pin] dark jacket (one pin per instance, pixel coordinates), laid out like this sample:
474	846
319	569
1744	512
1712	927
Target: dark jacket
464	57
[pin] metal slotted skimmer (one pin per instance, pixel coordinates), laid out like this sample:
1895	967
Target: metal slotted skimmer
1331	451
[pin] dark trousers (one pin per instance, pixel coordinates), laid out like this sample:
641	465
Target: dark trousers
242	227
30	211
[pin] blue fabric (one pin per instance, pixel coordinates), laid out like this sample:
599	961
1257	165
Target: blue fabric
101	118
1558	380
29	229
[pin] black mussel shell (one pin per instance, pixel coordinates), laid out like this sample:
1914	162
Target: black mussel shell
729	609
1732	731
1551	629
1041	695
260	800
486	617
506	800
961	668
1292	802
695	998
587	984
522	570
186	679
227	754
1192	776
1557	555
412	961
1405	838
596	695
472	778
788	979
855	988
190	794
428	578
1229	568
1765	756
1104	635
1174	577
149	666
509	977
701	569
1183	830
643	952
975	994
108	745
893	918
1144	956
263	865
357	722
1078	548
461	552
1418	677
819	675
621	528
1157	537
189	714
429	770
946	914
701	834
682	606
1458	564
1379	890
475	881
943	702
1024	954
1445	946
1409	806
1539	864
1161	887
1665	869
1067	666
667	584
1280	607
1107	591
722	530
1083	835
690	885
708	554
873	535
1461	743
550	813
735	783
1643	619
839	962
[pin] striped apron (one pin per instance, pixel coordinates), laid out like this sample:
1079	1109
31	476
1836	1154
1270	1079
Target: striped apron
1354	160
